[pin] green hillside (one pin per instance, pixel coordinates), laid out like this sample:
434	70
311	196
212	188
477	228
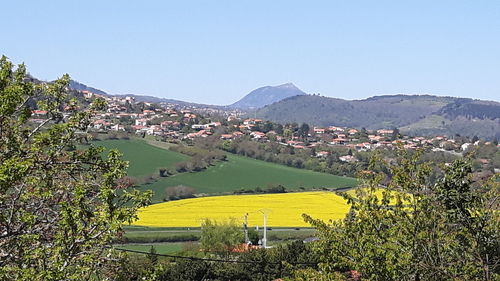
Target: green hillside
235	173
241	172
439	125
430	122
413	114
144	159
372	113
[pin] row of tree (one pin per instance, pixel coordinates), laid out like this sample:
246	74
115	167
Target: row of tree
200	158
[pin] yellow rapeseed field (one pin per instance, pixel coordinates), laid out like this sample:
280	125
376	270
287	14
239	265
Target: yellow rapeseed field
284	210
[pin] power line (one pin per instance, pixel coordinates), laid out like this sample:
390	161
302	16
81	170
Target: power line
207	259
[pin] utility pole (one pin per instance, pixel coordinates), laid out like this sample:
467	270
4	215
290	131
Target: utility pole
264	240
246	228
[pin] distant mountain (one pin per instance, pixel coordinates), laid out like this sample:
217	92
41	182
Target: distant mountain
255	99
75	85
267	95
140	98
413	114
152	99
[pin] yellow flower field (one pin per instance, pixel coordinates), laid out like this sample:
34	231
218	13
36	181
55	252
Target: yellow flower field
284	210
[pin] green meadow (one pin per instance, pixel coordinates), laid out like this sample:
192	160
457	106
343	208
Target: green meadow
236	173
144	159
241	172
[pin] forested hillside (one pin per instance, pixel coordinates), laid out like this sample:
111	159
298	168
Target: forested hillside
75	85
422	114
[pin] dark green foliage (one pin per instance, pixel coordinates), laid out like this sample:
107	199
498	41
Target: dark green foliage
153	258
303	130
186	270
163	172
275	188
270	188
395	134
253	236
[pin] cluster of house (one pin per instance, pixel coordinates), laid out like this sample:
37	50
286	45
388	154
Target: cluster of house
168	120
333	135
351	138
165	120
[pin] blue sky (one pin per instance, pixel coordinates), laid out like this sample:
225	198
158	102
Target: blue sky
217	51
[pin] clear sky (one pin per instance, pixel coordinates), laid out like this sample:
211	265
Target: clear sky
217	51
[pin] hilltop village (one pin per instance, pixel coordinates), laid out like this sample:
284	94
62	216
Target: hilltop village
175	123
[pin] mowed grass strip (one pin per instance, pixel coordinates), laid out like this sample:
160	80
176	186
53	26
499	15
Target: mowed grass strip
144	159
284	209
241	172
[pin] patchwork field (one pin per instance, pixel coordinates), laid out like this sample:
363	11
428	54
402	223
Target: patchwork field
284	209
236	173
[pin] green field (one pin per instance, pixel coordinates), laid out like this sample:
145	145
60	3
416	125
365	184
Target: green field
242	172
236	173
156	236
161	248
142	238
429	122
144	159
151	235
